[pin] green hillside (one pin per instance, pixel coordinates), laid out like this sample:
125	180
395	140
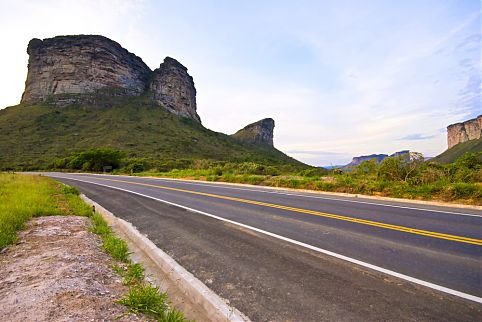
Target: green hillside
458	150
33	136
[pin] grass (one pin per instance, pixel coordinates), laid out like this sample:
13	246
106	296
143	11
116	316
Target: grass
134	274
458	150
142	297
25	196
460	181
34	136
147	299
113	245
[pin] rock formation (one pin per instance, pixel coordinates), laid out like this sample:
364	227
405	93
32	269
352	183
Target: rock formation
81	64
377	157
465	131
260	132
84	64
173	87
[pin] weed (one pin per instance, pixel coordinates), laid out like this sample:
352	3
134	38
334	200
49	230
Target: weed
23	197
116	247
147	299
174	316
134	274
70	190
99	226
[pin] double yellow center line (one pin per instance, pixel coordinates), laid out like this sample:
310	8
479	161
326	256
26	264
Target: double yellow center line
409	230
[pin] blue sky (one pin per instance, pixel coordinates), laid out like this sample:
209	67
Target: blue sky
340	78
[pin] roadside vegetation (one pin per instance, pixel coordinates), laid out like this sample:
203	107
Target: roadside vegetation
25	196
400	177
405	176
142	296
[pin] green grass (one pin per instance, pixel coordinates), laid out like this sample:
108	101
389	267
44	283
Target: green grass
458	150
456	182
25	196
113	245
147	299
141	297
34	136
134	274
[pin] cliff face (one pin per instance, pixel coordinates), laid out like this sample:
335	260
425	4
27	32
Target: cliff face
86	63
81	64
173	88
260	132
465	131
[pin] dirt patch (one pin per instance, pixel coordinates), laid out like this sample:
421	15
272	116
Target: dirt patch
58	272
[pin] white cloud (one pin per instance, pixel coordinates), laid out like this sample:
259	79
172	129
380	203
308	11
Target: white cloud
350	78
22	20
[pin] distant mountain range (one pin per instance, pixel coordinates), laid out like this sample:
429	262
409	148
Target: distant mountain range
378	157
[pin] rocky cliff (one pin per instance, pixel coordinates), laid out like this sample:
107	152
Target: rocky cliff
174	88
81	64
260	133
86	63
465	131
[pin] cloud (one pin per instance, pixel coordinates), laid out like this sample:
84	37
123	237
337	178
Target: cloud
359	82
311	152
417	136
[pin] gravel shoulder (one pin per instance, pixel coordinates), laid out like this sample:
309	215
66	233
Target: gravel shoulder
57	271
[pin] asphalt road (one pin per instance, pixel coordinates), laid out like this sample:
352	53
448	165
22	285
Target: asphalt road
268	251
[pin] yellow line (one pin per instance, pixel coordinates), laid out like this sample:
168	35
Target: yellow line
409	230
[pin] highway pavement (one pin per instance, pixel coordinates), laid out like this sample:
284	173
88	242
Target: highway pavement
282	255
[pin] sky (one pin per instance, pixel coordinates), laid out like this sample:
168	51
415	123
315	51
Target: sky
340	78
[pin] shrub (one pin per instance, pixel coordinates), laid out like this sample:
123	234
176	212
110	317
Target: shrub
95	159
146	299
462	190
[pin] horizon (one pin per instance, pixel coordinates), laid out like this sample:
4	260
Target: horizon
368	79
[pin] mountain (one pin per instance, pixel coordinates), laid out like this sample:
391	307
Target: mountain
452	154
462	138
465	131
377	157
87	91
257	133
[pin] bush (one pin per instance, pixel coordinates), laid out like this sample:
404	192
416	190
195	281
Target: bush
314	172
462	190
93	159
400	168
137	165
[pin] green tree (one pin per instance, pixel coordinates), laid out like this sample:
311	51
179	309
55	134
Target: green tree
95	159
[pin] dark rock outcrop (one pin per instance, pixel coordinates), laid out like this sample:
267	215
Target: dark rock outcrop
173	88
85	64
260	133
465	131
81	64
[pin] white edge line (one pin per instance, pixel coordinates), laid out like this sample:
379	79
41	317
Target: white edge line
266	190
214	305
317	249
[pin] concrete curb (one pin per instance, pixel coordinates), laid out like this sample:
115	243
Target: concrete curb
193	288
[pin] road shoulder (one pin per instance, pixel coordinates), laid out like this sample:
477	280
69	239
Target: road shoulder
58	271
